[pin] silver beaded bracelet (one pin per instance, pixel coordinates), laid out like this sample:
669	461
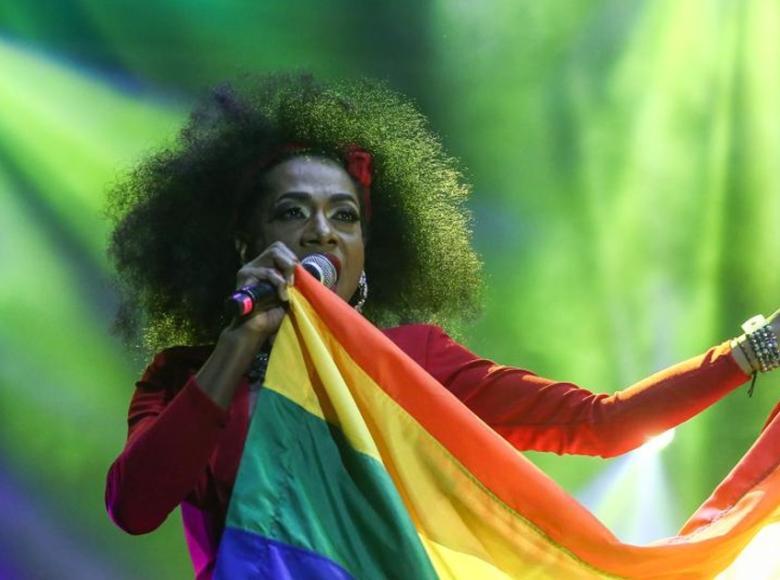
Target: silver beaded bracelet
763	341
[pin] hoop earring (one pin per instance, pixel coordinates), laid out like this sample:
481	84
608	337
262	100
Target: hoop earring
362	292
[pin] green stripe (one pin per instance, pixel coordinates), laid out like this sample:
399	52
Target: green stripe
301	483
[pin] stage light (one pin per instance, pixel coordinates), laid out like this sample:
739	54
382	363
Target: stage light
633	496
658	443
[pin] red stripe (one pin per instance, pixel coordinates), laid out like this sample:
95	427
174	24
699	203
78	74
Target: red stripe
436	409
518	483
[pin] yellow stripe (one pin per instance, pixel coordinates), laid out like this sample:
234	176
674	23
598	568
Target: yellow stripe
457	565
451	564
759	558
287	376
466	530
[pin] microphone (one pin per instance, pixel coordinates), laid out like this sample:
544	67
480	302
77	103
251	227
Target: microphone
324	267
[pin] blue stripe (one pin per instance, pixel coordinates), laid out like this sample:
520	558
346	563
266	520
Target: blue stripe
246	555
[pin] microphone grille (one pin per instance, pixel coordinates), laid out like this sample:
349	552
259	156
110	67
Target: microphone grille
321	267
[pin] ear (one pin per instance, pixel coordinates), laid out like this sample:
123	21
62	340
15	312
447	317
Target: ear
241	247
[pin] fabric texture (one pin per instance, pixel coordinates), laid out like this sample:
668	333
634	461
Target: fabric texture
183	449
357	462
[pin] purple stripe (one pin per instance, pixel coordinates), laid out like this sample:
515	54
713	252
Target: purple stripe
246	555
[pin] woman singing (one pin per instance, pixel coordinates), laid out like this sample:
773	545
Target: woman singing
264	176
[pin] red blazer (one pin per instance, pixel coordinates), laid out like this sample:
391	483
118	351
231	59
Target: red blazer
183	449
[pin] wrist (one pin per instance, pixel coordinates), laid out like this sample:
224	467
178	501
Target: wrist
742	353
762	342
221	374
242	338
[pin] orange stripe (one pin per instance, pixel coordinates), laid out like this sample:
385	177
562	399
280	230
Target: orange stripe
765	456
522	487
436	409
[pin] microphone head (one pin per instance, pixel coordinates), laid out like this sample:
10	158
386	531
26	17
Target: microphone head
324	267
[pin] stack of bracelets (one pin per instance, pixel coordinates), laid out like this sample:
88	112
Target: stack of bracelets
763	344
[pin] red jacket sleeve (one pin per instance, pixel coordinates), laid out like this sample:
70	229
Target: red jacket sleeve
534	413
172	431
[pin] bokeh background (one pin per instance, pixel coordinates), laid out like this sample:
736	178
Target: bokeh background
625	158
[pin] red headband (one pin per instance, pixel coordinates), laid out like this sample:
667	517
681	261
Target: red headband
358	163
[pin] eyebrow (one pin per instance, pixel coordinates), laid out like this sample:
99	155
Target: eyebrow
302	196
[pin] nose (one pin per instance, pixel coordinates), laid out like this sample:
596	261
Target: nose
320	231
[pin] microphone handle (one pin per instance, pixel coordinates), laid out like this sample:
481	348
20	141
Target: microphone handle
244	300
259	296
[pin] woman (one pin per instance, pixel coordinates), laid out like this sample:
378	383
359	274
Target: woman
260	179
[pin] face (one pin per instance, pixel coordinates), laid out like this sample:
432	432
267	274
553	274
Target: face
312	206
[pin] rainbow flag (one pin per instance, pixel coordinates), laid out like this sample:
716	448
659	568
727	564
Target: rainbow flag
358	464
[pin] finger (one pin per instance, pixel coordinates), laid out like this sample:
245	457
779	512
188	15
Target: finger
285	260
279	256
267	321
252	275
774	321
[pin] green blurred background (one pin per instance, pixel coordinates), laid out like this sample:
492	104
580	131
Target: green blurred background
624	156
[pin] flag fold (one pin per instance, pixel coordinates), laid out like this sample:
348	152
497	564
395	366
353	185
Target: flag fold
358	464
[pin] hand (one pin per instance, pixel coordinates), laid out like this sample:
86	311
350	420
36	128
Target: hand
275	265
774	322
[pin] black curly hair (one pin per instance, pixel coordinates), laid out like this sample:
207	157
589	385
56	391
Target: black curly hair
175	214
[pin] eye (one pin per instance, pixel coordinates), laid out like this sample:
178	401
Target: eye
289	213
347	215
